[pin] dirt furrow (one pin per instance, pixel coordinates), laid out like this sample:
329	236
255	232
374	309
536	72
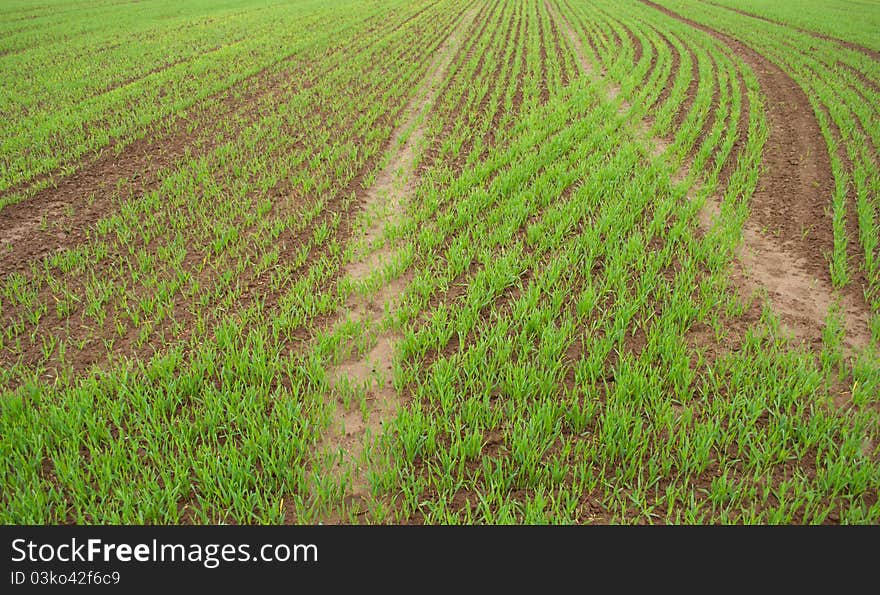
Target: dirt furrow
785	242
573	39
789	234
673	71
873	54
854	47
556	43
690	94
53	217
351	429
61	215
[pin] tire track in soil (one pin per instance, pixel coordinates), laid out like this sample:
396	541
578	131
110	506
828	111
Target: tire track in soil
673	71
788	200
89	187
782	272
867	81
574	40
850	45
62	214
612	89
789	232
75	230
350	430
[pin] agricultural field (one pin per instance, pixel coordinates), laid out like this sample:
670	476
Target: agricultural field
440	261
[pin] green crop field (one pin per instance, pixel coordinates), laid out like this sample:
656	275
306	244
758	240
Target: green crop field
440	261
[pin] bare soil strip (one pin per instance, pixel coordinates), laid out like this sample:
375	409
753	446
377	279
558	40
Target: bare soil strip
874	54
352	428
61	215
786	240
157	69
57	216
673	70
785	243
573	39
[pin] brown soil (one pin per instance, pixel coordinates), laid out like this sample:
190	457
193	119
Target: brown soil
690	94
495	82
350	430
874	54
565	74
673	72
790	266
61	215
249	287
573	39
636	44
544	39
786	241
